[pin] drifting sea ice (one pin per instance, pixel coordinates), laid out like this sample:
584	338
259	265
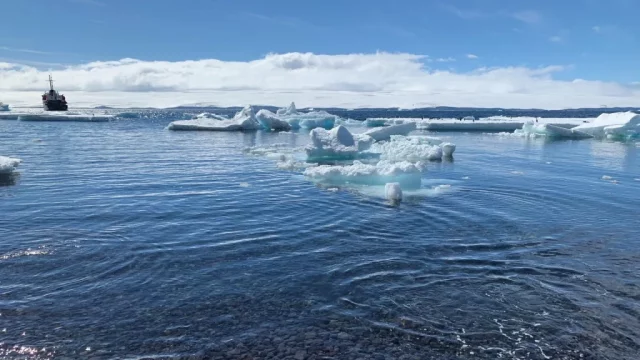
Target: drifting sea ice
385	133
300	120
533	130
617	126
412	148
244	120
406	174
8	165
335	144
4	107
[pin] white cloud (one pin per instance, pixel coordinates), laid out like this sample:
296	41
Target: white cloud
528	16
28	51
448	59
472	56
351	80
555	39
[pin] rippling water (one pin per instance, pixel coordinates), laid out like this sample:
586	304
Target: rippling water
124	240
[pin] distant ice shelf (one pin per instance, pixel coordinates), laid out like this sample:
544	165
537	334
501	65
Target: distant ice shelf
469	124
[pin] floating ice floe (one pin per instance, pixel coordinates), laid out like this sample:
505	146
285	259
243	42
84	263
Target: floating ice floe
244	120
4	107
531	129
65	117
335	144
405	173
301	120
385	133
8	165
489	124
9	115
412	148
617	126
271	121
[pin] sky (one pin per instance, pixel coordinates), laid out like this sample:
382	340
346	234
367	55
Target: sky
407	53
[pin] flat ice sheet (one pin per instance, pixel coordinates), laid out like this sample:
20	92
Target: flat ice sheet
65	117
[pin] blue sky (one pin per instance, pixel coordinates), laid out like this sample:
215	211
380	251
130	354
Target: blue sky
597	39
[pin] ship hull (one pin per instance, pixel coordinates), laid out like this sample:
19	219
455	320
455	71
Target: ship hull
55	105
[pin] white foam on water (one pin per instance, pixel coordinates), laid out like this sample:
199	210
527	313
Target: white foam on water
8	164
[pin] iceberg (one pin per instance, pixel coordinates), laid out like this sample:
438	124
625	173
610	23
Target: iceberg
412	148
8	165
619	126
385	133
244	120
65	117
4	107
335	144
309	120
405	174
271	121
533	130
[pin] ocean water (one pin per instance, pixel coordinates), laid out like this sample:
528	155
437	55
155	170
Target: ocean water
123	240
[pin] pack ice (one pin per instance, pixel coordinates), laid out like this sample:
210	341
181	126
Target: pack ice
8	164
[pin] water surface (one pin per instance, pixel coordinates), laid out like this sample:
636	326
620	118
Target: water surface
123	240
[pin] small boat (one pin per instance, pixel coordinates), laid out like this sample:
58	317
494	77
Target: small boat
52	101
4	107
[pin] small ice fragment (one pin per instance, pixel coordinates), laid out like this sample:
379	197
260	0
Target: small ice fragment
607	177
393	192
337	143
448	149
8	165
517	173
465	178
244	184
637	179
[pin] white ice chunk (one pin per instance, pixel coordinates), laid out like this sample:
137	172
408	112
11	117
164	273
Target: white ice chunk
8	164
393	192
337	143
405	173
4	107
271	121
244	120
532	130
411	148
65	117
9	115
309	120
448	149
384	133
207	115
620	125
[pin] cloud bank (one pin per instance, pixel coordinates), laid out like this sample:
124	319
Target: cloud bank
352	80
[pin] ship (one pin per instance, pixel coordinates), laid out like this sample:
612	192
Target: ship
52	100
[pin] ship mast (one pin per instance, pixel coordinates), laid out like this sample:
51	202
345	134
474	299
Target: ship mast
50	82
